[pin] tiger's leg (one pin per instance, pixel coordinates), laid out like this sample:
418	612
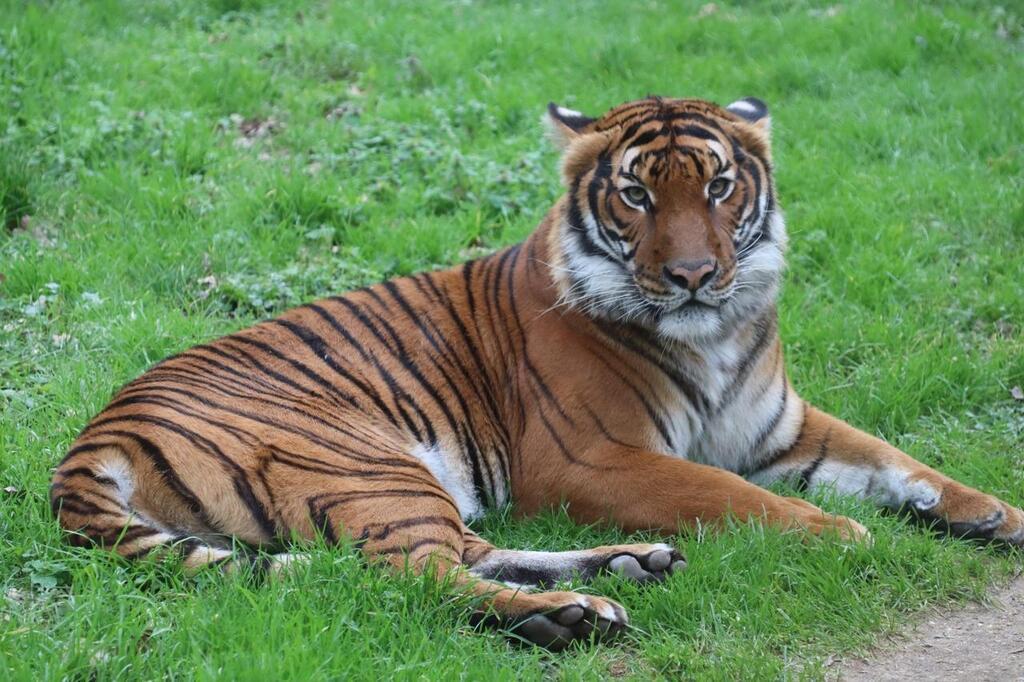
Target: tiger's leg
640	562
831	453
409	521
612	484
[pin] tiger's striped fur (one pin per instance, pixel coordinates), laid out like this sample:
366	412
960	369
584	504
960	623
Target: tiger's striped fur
624	359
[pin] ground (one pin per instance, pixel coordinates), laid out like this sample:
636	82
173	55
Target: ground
171	171
980	642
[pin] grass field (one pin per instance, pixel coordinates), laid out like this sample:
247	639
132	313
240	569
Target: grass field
171	171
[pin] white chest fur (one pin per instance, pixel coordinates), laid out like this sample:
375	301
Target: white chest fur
750	408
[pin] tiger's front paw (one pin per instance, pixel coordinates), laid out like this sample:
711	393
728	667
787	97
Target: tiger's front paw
811	519
846	529
967	513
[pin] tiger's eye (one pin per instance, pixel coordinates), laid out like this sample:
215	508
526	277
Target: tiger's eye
635	195
718	187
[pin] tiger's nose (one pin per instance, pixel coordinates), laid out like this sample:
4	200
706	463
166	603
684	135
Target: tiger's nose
691	274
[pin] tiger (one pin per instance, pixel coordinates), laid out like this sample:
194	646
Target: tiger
623	361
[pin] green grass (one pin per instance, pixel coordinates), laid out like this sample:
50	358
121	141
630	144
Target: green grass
136	218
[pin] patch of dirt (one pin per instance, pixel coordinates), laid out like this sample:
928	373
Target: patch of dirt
980	642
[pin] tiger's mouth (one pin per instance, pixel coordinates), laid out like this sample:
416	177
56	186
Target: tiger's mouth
692	308
694	304
664	303
688	311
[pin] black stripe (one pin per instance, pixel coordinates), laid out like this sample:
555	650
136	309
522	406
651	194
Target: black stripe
83	448
559	442
605	432
695	131
253	381
445	351
332	445
655	415
295	364
73	502
121	535
584	239
156	459
304	463
621	335
419	544
321	504
773	458
60	489
381	531
241	436
694	157
84	471
241	484
478	462
208	383
765	332
398	394
321	522
481	367
773	423
601	180
322	352
804	481
665	116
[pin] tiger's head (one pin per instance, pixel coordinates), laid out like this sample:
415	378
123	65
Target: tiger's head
670	220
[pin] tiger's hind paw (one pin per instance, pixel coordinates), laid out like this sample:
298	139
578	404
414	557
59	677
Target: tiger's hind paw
580	618
654	565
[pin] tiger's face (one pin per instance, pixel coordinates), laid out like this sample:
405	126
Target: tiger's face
670	220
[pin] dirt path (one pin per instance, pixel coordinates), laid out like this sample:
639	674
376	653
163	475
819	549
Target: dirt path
979	643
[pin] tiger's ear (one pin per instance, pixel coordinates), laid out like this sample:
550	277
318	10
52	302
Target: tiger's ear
565	125
754	111
755	130
576	136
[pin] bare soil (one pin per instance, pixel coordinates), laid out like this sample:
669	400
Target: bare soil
981	642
